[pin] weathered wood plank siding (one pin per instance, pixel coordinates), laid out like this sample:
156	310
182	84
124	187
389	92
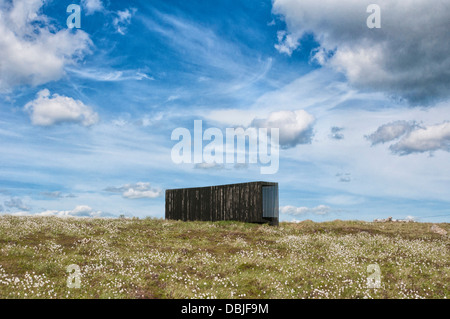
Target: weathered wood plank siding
240	202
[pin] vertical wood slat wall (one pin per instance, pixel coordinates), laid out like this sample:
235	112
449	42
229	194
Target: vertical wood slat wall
239	202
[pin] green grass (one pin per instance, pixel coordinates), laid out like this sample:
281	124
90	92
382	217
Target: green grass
153	258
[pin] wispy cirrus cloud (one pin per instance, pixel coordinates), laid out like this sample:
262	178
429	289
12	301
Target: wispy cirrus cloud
109	76
217	59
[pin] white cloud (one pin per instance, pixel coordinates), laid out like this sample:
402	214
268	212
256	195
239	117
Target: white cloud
286	43
135	191
109	75
32	52
427	139
295	126
295	211
413	138
47	110
336	133
172	98
122	19
205	165
78	211
92	6
391	131
408	56
16	203
57	194
344	177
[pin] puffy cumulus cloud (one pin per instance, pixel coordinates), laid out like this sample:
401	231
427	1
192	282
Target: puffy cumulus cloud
413	138
295	211
426	139
409	56
391	131
92	6
33	52
295	127
135	191
47	110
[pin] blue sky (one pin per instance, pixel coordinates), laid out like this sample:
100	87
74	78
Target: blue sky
86	115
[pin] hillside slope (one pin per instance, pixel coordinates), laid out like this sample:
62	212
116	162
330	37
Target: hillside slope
153	258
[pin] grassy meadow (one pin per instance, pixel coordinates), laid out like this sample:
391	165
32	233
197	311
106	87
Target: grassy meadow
155	258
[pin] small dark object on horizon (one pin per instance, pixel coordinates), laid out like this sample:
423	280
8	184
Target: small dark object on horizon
254	202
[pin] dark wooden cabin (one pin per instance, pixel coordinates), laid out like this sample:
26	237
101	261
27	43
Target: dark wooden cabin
254	202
